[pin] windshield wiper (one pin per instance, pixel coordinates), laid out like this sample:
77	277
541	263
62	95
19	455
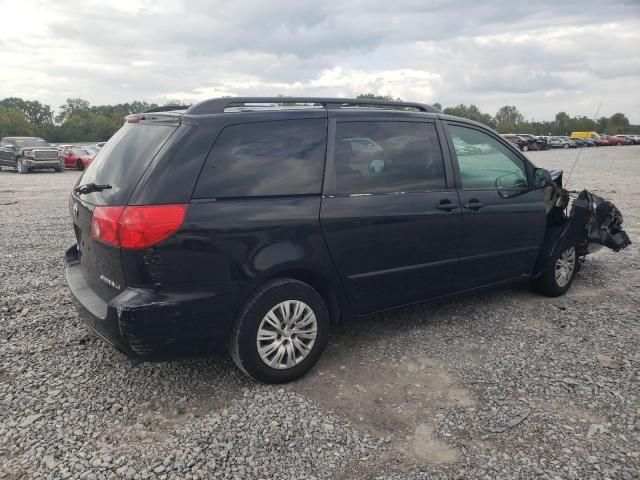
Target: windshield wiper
90	187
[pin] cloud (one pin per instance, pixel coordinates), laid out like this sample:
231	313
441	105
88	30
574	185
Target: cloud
542	56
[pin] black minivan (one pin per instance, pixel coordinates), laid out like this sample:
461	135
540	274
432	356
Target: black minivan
259	221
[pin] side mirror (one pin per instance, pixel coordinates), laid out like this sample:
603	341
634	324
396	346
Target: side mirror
541	178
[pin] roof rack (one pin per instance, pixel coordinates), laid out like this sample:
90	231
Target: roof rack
167	108
219	105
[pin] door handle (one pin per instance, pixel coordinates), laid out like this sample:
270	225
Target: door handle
474	204
446	205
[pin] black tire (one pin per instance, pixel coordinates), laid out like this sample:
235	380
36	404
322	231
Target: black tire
548	284
243	340
80	165
22	168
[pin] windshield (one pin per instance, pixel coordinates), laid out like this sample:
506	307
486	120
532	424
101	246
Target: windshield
28	142
79	152
123	160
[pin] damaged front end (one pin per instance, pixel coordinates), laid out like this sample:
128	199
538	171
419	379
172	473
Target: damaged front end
592	223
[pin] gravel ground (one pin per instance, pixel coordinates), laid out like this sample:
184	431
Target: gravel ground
501	384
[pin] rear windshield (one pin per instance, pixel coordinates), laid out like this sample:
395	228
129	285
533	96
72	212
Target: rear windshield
123	160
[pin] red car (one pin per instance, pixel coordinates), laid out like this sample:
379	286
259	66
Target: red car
77	158
611	140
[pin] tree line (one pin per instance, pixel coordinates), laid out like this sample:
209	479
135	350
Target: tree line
79	121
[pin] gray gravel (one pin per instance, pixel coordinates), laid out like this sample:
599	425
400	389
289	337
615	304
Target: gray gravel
502	384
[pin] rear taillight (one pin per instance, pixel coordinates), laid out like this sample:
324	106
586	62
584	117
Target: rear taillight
136	227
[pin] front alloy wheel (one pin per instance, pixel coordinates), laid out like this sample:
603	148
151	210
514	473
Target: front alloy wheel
22	166
557	278
564	267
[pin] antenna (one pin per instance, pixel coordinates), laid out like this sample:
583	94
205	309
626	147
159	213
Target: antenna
566	185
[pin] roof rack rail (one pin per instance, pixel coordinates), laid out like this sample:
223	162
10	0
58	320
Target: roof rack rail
167	108
219	105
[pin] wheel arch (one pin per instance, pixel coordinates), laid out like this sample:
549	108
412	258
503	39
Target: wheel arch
319	282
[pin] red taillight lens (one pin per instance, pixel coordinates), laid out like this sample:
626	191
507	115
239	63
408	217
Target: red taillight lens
104	224
136	227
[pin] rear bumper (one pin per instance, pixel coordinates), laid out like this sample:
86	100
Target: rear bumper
146	323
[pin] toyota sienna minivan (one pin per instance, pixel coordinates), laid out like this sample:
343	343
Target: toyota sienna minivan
254	223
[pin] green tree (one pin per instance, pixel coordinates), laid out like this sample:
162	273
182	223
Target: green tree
618	123
601	124
508	119
13	122
73	106
36	112
472	113
562	123
583	124
373	96
437	105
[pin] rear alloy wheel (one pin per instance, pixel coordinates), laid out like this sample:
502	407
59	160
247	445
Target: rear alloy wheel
286	334
559	275
80	165
281	333
22	166
525	148
566	145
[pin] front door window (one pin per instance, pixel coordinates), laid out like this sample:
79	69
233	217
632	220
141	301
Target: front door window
484	162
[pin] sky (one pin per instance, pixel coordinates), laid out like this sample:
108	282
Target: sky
542	56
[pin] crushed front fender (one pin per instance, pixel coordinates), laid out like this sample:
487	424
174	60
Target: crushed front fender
592	223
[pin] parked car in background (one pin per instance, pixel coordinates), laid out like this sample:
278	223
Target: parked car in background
244	229
93	150
535	143
521	143
78	158
583	142
580	142
66	146
629	138
560	142
28	153
612	141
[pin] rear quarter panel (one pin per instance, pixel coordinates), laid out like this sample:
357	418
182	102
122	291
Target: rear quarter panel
230	247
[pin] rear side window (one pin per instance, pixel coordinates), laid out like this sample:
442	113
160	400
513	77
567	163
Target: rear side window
283	157
123	160
387	157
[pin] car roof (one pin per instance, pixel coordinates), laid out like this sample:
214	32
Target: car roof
295	106
220	105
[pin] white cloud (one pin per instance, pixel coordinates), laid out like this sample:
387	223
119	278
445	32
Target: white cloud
542	56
